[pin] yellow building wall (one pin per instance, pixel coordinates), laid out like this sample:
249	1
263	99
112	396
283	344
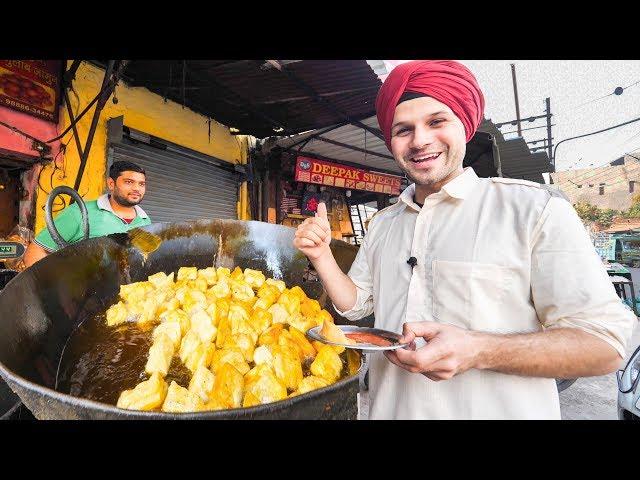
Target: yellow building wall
144	111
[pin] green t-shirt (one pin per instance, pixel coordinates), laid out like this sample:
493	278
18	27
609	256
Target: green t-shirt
102	221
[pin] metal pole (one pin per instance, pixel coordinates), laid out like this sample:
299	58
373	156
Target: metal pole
549	144
515	93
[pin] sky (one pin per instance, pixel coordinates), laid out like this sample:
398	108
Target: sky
575	88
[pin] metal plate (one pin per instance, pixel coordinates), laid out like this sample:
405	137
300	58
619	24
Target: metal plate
314	333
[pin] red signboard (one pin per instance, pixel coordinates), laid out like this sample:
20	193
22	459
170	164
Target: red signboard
31	87
310	170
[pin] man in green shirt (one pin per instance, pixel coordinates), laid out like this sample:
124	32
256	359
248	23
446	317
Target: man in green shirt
115	212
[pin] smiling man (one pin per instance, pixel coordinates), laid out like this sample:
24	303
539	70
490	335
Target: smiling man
503	292
113	212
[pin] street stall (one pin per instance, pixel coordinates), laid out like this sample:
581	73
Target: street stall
75	288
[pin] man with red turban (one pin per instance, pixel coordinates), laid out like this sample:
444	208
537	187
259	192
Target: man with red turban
478	273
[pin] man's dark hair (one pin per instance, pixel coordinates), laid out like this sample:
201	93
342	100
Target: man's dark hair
121	166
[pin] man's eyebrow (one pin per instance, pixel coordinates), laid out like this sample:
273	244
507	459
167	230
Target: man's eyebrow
439	112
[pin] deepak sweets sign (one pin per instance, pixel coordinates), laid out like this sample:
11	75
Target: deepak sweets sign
311	170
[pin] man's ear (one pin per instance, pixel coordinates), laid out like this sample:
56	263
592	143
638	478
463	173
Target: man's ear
111	184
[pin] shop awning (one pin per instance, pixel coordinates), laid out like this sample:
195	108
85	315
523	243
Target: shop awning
265	97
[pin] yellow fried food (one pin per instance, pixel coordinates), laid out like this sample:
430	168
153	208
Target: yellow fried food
255	278
260	320
209	274
279	313
290	302
279	284
200	356
232	356
241	335
147	395
181	400
161	280
310	383
160	355
300	338
244	343
327	364
178	316
332	333
193	298
171	330
287	366
117	314
271	334
202	383
187	273
202	325
228	387
262	386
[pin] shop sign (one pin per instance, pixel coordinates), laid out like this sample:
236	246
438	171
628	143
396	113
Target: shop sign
311	170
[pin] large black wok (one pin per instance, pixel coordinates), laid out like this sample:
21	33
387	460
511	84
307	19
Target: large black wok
42	306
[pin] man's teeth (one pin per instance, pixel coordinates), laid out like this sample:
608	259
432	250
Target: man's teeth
425	157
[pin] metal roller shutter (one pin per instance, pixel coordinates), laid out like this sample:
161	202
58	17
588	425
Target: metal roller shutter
180	187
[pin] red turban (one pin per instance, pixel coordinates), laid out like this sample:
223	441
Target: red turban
447	81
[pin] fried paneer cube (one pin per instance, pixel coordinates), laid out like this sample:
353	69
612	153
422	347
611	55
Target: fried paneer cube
187	273
300	338
286	340
117	314
287	367
170	304
202	325
143	311
332	333
223	272
262	386
147	395
311	383
222	288
209	274
160	355
239	321
224	332
228	387
267	296
290	302
202	383
177	316
171	330
327	364
263	355
241	291
279	284
181	400
300	323
260	320
271	334
232	356
237	274
255	278
244	343
193	298
188	345
310	308
212	311
199	284
135	292
298	292
161	280
279	313
201	356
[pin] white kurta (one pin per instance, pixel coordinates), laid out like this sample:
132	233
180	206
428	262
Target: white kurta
495	255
